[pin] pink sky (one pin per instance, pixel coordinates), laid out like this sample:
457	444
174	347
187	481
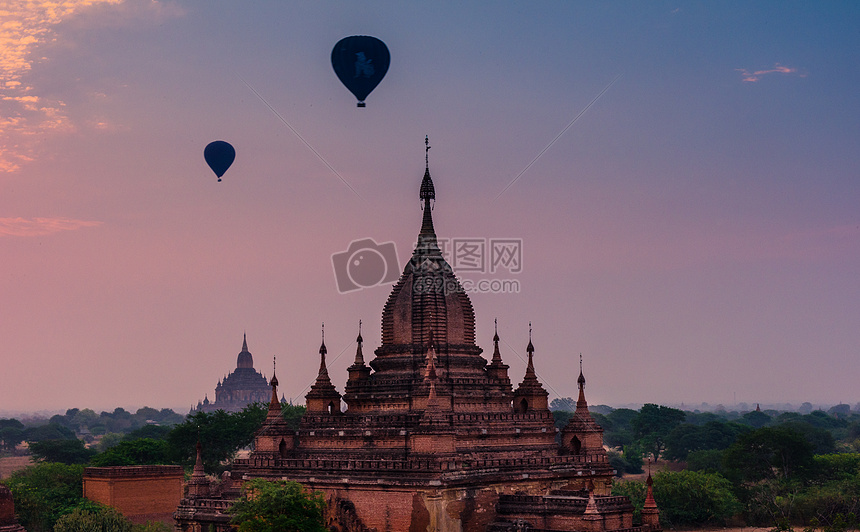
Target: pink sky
695	234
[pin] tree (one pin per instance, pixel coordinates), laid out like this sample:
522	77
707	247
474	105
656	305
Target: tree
11	423
686	438
821	439
92	517
709	461
653	424
621	464
656	419
147	414
292	415
278	506
616	426
767	453
11	433
694	498
44	492
169	417
120	420
144	451
63	451
636	492
561	417
84	419
563	403
152	526
756	419
154	432
109	440
51	431
700	418
221	433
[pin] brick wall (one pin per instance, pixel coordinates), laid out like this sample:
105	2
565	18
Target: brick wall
141	493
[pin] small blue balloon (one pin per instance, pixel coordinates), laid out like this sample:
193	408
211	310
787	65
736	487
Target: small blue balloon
219	156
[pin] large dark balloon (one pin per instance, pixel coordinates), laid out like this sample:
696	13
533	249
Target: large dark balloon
219	156
360	63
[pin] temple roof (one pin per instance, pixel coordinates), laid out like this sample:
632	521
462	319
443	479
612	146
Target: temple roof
428	295
244	359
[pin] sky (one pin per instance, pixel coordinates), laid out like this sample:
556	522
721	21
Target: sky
680	180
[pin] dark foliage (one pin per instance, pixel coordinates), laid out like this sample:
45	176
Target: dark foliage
44	492
767	453
278	506
221	435
51	431
686	438
143	451
63	451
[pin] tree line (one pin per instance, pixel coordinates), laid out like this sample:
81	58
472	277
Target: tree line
757	468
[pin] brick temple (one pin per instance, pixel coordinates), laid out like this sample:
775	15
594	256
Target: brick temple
433	436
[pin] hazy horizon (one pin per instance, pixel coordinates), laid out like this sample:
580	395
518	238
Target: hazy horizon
682	179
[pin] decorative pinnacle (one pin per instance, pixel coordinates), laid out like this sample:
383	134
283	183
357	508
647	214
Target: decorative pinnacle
323	370
530	348
581	379
359	357
427	192
497	357
274	404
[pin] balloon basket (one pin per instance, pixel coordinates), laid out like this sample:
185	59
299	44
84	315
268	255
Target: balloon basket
360	104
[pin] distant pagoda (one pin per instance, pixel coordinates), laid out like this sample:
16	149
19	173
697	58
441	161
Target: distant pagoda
243	386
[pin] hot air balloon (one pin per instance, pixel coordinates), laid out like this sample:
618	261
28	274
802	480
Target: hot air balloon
360	63
219	156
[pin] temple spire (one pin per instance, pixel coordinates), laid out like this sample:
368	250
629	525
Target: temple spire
581	404
530	349
323	397
650	512
358	371
197	485
497	355
427	193
274	404
496	369
198	472
244	341
323	351
359	357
